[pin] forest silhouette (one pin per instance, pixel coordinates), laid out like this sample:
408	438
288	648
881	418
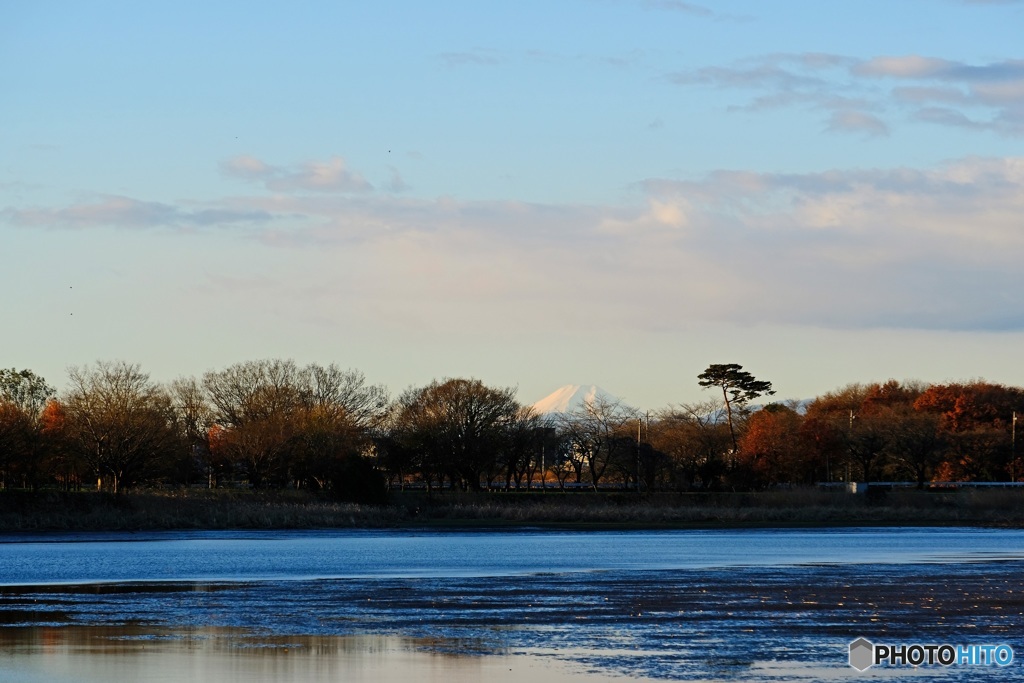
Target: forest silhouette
275	425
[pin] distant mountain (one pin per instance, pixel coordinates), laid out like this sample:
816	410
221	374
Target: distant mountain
572	398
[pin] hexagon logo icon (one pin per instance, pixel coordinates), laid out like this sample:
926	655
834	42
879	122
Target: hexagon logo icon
862	654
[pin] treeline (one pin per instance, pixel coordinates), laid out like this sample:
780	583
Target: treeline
272	424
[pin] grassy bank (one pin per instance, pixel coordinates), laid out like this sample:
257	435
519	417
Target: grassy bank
201	509
783	508
194	509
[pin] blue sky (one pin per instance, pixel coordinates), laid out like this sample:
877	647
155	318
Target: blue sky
617	192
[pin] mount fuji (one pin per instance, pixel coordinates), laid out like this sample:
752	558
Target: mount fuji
572	398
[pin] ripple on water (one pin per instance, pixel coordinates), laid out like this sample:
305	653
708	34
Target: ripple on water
773	622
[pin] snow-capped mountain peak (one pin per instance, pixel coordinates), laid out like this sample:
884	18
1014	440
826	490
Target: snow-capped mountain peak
572	398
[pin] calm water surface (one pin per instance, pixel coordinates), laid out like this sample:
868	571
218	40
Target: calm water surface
683	605
255	556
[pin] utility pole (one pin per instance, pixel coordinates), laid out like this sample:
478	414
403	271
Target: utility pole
639	427
1013	448
543	472
850	448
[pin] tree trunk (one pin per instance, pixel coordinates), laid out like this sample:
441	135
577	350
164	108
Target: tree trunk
728	414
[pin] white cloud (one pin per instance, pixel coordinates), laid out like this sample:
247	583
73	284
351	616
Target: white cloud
332	175
899	247
931	248
846	248
248	167
666	217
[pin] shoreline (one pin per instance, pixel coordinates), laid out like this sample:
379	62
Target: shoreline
46	511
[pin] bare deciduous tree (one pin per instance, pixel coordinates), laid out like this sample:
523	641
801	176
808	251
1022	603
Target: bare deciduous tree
285	423
695	436
600	433
458	426
120	422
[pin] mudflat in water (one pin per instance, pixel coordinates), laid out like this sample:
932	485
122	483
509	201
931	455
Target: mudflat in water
104	654
549	606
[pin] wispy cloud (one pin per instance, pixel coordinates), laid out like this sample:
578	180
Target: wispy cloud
852	121
946	116
912	66
807	80
693	9
396	183
125	212
856	94
930	68
996	88
472	58
917	95
331	175
679	6
767	73
247	167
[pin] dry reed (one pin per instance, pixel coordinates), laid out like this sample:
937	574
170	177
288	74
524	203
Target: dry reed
226	509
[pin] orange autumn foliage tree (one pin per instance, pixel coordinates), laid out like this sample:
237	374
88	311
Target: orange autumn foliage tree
772	450
977	418
69	470
965	406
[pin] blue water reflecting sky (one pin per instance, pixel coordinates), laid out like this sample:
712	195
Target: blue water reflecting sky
249	556
751	605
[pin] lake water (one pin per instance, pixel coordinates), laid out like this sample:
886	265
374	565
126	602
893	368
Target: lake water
512	605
